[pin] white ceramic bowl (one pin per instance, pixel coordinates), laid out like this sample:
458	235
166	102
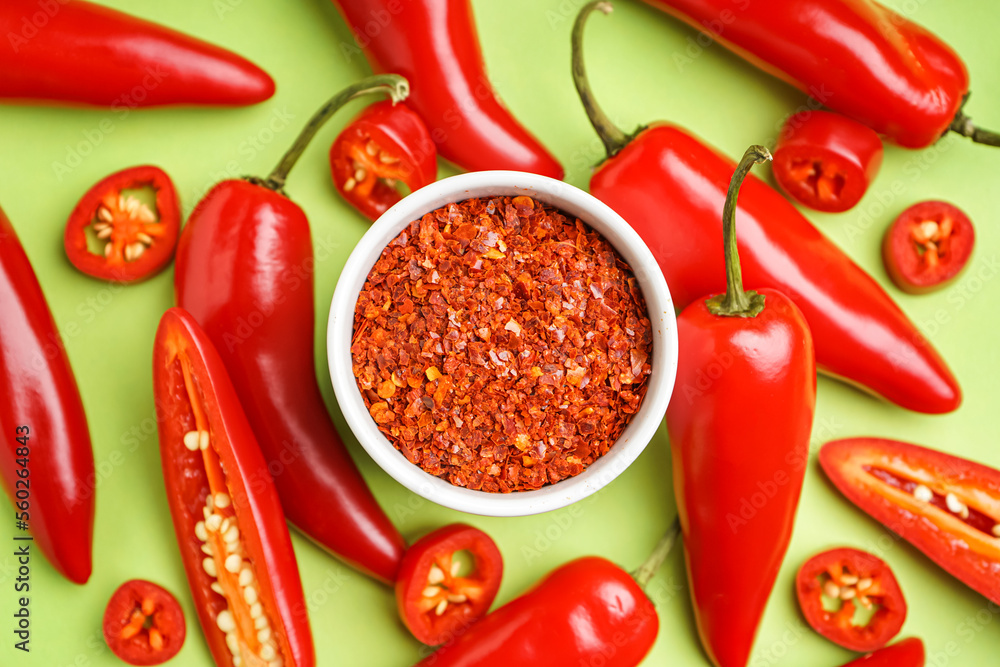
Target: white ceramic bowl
572	201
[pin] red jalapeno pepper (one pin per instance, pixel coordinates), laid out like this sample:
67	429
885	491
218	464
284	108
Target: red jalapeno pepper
744	435
436	600
230	528
945	506
826	161
905	653
386	144
245	272
861	335
89	54
46	460
857	57
851	578
138	241
434	44
144	623
928	246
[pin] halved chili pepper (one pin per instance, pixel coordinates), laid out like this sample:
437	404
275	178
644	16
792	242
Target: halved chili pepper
586	612
138	242
46	459
144	623
850	578
826	161
669	185
230	528
436	600
384	145
904	653
245	272
928	246
946	506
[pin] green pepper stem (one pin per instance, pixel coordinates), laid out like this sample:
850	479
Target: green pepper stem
612	136
396	86
736	302
964	126
652	565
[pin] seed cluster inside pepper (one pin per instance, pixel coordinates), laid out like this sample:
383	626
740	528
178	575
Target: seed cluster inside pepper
501	344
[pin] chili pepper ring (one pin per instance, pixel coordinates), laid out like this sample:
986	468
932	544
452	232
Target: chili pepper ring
573	202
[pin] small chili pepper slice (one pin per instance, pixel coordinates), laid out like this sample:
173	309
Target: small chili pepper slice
905	653
138	242
927	246
826	161
227	517
435	599
850	578
144	623
386	144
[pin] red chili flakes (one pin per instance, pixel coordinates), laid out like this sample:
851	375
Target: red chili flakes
500	344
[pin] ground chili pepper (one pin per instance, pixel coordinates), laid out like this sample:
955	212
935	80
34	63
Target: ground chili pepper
500	344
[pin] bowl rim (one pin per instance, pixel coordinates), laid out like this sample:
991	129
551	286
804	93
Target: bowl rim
573	201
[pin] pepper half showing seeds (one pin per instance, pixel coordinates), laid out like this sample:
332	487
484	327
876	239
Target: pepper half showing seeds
501	344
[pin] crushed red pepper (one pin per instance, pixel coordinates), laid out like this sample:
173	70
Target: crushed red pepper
500	344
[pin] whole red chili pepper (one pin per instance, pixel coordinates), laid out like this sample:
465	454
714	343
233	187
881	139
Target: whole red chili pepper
245	271
230	528
89	54
48	463
668	186
742	438
586	612
855	56
434	44
385	144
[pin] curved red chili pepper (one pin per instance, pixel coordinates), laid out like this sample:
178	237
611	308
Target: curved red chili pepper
905	653
861	335
384	144
245	272
230	528
138	242
434	44
48	463
90	54
857	57
739	444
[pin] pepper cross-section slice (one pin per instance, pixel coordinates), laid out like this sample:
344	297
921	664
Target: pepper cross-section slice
436	600
927	246
138	243
144	623
230	528
946	506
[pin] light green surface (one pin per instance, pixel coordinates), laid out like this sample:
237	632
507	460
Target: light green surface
644	67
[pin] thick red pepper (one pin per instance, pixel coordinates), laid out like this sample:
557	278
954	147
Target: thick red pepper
385	144
434	44
47	461
946	506
927	247
244	270
855	56
230	528
739	444
905	653
586	612
669	186
84	53
826	161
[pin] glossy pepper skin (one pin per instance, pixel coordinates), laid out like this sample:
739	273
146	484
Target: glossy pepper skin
857	57
194	394
92	55
670	187
244	270
586	612
435	45
38	391
739	444
904	653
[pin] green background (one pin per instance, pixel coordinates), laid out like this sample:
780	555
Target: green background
644	66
